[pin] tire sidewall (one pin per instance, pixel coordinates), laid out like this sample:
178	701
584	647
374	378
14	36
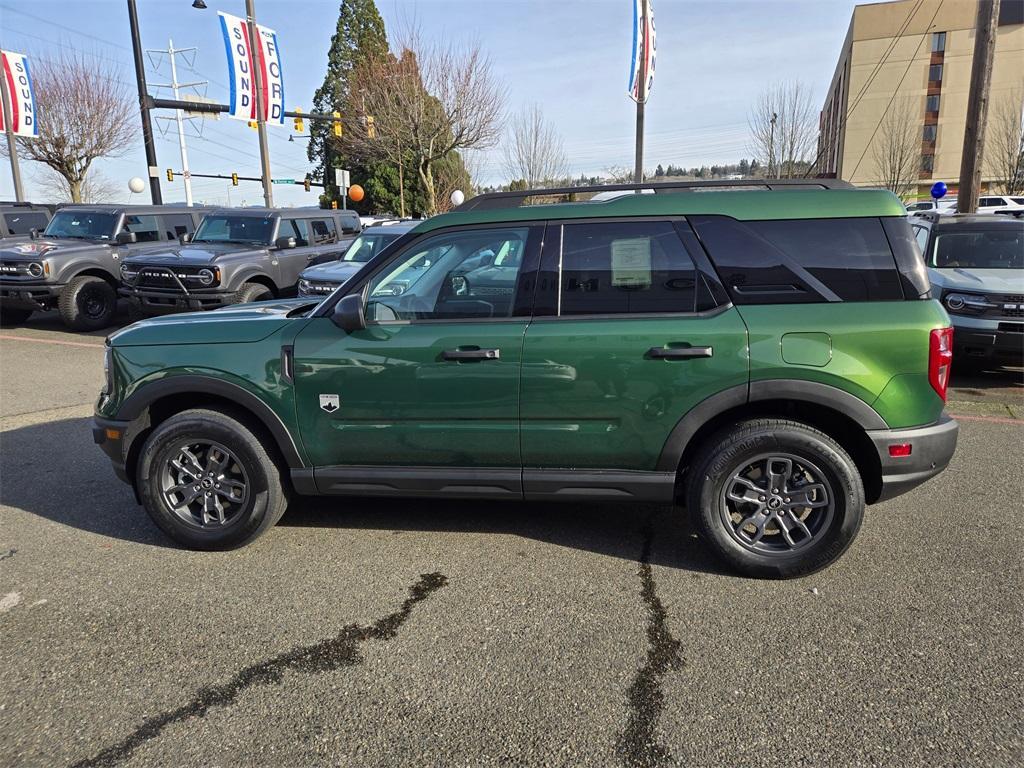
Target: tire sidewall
847	490
72	304
250	521
251	292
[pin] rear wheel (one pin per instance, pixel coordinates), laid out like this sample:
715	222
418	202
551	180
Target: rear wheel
253	292
87	303
776	498
208	482
10	316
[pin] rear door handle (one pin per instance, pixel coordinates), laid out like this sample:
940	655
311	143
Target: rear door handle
679	353
471	354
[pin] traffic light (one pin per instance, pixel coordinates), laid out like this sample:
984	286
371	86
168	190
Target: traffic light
334	203
305	183
371	128
170	175
253	124
336	125
234	179
299	126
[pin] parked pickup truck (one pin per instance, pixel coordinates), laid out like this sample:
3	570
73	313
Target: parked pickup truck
235	257
73	265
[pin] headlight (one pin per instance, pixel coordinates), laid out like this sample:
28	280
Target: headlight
205	276
303	286
108	370
35	269
969	302
127	273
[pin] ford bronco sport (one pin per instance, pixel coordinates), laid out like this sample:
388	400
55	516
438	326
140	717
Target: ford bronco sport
770	359
73	266
236	256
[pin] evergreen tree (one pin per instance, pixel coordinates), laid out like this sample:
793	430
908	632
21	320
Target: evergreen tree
359	34
659	171
744	167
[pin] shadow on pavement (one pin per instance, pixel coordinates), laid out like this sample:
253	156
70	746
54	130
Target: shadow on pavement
55	471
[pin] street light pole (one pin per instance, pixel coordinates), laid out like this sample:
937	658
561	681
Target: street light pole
638	170
255	45
12	145
147	126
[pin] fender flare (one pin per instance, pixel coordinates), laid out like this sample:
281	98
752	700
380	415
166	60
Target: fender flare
140	401
766	389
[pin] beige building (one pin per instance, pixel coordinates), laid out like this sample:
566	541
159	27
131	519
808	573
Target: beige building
908	63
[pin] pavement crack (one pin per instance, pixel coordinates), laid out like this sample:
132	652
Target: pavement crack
638	745
326	655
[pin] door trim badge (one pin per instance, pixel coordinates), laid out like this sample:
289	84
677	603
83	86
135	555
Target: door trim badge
330	403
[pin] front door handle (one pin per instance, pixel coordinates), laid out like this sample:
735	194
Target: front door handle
679	353
471	354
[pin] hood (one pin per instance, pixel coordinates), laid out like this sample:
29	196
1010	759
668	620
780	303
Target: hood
206	253
231	325
333	271
978	280
38	249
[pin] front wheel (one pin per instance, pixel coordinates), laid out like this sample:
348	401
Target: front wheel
87	303
776	498
208	482
250	292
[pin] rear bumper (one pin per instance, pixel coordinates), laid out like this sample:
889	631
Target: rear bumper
152	301
932	447
35	296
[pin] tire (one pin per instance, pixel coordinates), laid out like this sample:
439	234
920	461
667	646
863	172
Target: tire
250	292
245	513
87	303
794	540
10	316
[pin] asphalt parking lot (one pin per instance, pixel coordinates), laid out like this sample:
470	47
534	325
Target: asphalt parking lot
372	633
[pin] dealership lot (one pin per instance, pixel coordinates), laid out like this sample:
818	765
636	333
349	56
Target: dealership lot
386	632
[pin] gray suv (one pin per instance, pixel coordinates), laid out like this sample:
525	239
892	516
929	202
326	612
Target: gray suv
236	256
976	267
74	265
320	280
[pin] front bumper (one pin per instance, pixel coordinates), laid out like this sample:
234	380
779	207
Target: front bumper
153	301
994	341
112	438
35	296
932	447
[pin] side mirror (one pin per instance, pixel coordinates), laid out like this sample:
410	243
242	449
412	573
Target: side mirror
285	242
33	234
349	314
126	238
185	238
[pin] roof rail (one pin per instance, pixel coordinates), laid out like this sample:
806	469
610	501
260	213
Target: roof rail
492	200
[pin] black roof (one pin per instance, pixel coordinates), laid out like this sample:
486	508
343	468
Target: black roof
132	209
265	212
939	218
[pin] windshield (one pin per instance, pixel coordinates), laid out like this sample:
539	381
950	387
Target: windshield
235	229
980	249
82	225
365	247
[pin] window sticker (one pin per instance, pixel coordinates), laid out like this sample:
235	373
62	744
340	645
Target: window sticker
631	263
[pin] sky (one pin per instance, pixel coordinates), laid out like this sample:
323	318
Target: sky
714	57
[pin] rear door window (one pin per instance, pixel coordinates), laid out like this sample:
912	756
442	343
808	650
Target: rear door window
625	268
798	261
324	231
146	228
24	223
297	228
178	224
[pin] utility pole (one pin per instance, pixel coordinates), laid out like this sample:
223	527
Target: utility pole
771	146
174	85
977	107
147	126
255	45
641	93
12	144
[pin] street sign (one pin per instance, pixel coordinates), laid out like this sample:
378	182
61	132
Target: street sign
282	181
342	178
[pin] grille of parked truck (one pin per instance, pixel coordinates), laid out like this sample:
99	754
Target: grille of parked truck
765	355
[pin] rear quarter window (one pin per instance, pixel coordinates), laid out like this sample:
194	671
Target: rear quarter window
800	261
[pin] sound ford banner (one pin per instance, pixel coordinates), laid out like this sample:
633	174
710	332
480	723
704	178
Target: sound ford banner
23	102
242	61
643	42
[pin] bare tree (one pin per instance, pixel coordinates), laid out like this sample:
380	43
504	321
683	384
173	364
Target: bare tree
534	150
783	129
428	102
83	113
94	188
1004	143
620	174
896	149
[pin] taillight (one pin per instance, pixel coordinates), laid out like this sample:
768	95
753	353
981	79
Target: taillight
940	359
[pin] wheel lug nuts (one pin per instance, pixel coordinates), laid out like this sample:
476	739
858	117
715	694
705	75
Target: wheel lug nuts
761	498
787	500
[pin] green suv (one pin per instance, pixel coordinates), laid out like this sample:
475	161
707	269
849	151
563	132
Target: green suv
769	359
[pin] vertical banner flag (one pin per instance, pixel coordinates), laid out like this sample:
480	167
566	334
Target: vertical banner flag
19	89
643	42
241	63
